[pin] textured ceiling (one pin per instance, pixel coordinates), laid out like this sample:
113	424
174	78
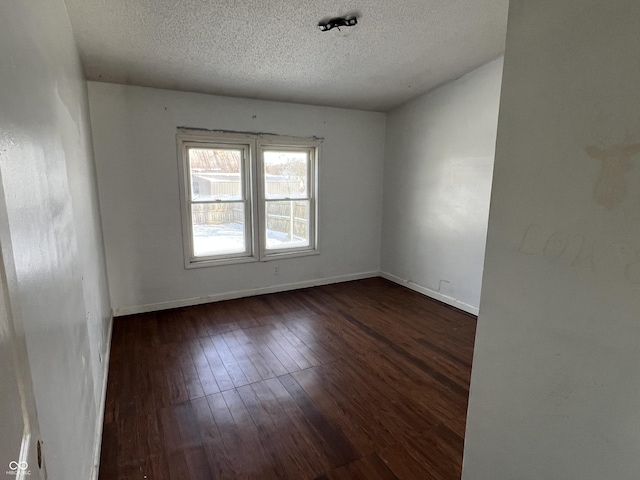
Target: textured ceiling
273	49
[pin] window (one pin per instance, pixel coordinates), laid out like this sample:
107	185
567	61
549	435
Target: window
247	197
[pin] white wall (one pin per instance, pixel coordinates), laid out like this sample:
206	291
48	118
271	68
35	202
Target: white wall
556	377
437	182
134	132
49	184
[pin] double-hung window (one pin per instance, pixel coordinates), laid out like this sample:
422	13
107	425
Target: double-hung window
247	197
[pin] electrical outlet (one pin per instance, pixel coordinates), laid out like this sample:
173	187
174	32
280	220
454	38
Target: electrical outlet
276	269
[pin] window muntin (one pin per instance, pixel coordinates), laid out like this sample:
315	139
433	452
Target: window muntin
247	197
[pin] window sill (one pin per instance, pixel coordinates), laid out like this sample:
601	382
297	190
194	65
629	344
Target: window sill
189	264
289	254
239	260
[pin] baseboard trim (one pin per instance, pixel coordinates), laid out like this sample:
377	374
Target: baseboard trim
218	297
431	293
97	441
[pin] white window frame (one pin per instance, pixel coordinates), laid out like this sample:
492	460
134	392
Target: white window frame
289	144
253	146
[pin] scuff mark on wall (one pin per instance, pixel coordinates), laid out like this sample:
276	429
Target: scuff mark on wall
440	284
611	188
617	259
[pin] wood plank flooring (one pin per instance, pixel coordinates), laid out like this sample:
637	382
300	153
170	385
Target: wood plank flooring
362	380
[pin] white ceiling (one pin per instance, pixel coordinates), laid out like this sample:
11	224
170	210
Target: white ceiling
273	49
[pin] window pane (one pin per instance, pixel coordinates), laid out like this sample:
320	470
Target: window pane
286	174
218	229
288	224
216	174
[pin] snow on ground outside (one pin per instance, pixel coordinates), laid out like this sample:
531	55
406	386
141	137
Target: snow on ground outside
229	238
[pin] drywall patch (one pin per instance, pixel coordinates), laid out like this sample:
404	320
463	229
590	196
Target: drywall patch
610	189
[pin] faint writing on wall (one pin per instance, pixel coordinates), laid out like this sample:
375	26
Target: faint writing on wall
617	259
611	187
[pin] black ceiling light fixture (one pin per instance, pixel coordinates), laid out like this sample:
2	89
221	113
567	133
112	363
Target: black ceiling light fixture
338	22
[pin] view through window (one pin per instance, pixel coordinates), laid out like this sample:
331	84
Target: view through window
247	198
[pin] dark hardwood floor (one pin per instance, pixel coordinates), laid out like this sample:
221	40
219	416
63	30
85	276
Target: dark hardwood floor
361	380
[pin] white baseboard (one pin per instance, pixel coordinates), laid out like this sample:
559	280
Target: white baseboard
431	293
218	297
97	441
